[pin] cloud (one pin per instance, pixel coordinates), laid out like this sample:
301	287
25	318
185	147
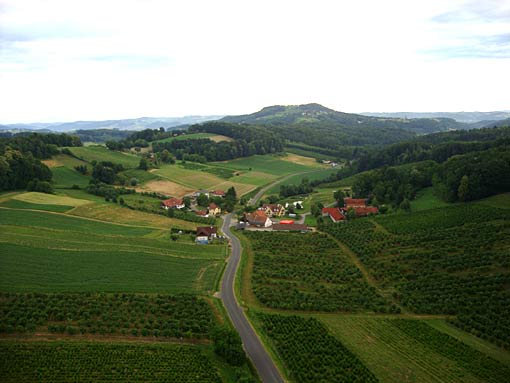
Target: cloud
486	11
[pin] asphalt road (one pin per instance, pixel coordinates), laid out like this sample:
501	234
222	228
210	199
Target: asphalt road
266	369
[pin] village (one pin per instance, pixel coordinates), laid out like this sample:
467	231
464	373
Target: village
267	217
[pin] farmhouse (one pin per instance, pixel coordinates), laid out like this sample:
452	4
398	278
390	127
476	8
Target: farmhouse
273	210
291	227
172	203
214	209
354	202
334	213
218	193
258	218
205	234
202	213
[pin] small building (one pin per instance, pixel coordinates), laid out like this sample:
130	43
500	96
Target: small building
354	202
198	193
214	209
273	210
172	203
286	222
291	227
202	213
217	193
205	234
258	218
334	213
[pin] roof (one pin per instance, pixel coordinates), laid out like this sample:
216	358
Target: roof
334	213
353	202
172	202
286	221
363	210
218	192
258	216
290	227
206	231
272	206
213	206
201	213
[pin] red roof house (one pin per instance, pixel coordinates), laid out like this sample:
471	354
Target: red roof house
334	213
258	218
354	202
218	193
172	203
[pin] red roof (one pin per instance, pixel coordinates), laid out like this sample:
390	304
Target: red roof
220	193
334	212
355	202
290	227
258	217
206	231
213	206
201	213
286	221
172	202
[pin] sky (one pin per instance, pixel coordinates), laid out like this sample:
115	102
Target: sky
68	60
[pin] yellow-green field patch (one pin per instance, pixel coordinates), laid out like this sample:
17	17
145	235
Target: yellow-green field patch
49	199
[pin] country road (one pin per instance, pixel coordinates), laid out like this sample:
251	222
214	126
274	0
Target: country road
265	366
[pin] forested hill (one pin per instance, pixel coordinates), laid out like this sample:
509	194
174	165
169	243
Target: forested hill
315	115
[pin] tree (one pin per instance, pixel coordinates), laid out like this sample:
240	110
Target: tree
202	200
187	202
133	181
231	192
463	190
339	197
351	213
143	164
405	205
316	209
228	345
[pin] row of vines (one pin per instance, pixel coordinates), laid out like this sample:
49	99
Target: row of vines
118	314
453	261
308	272
310	353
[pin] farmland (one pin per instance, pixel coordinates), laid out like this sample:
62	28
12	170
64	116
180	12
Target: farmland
409	350
104	362
113	314
194	136
308	272
441	261
310	353
53	252
101	153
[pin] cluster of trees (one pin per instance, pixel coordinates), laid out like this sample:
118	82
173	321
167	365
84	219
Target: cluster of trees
41	146
394	185
142	138
474	175
290	190
106	171
102	189
228	345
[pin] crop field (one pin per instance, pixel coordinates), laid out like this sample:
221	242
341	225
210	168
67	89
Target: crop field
64	160
49	199
311	354
123	314
308	272
313	175
52	252
16	204
265	164
451	261
409	350
104	362
195	136
198	179
101	153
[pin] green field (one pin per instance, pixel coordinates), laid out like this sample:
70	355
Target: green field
314	175
105	362
16	204
395	353
265	164
194	136
141	175
101	153
64	177
426	199
51	252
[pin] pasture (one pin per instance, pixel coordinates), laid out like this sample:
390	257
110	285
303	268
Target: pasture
52	252
64	178
101	153
195	136
270	164
426	199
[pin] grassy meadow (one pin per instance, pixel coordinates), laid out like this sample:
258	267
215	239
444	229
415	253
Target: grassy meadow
101	153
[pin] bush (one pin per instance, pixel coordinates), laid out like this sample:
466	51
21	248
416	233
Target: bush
228	345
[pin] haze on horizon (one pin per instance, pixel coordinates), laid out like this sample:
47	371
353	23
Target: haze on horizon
96	60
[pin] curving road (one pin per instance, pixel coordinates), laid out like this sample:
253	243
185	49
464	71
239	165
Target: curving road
261	360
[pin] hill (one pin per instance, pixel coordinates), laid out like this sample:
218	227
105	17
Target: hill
314	114
126	124
467	117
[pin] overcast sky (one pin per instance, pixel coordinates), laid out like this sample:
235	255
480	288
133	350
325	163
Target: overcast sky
67	60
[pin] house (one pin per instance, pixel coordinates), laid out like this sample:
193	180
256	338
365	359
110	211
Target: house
202	213
198	193
214	209
273	210
354	202
218	193
291	227
334	213
365	210
258	218
172	203
206	234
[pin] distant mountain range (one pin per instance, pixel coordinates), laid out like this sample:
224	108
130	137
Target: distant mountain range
128	124
308	115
